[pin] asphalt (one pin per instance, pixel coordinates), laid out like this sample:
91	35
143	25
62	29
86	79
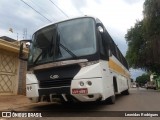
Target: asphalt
139	99
12	102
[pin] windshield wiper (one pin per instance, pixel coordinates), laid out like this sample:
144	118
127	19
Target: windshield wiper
52	50
38	57
65	48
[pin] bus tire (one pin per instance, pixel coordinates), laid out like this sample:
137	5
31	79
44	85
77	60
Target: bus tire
112	99
126	92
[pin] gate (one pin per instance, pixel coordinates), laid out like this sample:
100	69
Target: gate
8	72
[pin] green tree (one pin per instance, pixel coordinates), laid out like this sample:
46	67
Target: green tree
135	40
143	79
144	39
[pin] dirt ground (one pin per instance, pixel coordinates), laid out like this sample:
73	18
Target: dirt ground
10	102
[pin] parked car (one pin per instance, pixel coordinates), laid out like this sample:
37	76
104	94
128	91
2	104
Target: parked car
151	85
133	85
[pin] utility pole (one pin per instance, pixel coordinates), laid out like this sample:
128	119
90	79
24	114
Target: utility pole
24	33
17	36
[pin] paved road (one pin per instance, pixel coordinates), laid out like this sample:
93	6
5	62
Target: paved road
138	100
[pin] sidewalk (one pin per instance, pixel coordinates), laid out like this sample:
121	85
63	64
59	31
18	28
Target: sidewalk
10	102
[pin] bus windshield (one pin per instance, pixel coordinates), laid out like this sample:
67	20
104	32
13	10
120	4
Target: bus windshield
64	40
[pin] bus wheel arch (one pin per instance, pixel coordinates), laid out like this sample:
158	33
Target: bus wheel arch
115	86
112	98
126	92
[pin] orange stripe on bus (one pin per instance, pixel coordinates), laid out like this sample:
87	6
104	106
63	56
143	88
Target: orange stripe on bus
114	66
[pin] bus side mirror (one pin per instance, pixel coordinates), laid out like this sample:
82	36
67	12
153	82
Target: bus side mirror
100	27
23	54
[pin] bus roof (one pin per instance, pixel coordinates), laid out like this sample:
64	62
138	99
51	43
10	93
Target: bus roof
64	21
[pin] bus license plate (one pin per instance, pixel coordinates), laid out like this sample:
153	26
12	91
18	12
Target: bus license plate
80	91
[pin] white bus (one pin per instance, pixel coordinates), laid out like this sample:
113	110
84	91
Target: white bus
75	60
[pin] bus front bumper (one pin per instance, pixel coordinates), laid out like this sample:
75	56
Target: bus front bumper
83	90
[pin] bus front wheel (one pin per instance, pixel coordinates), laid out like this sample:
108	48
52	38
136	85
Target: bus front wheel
112	99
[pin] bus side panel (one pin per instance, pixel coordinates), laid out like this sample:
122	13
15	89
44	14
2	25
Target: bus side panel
108	89
99	75
122	83
120	73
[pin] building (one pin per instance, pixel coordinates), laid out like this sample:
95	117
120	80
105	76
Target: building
12	69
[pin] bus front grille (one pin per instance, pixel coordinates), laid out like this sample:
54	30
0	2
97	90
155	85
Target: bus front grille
54	83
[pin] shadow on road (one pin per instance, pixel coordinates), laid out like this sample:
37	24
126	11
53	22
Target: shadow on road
87	106
92	109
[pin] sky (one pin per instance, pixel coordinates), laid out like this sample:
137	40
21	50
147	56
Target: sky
116	15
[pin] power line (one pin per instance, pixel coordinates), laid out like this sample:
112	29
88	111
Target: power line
59	8
36	4
36	10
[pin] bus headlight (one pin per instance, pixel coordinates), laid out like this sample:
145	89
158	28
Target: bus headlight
81	83
29	88
89	83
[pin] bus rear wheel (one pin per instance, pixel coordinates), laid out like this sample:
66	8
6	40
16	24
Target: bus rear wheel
126	92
